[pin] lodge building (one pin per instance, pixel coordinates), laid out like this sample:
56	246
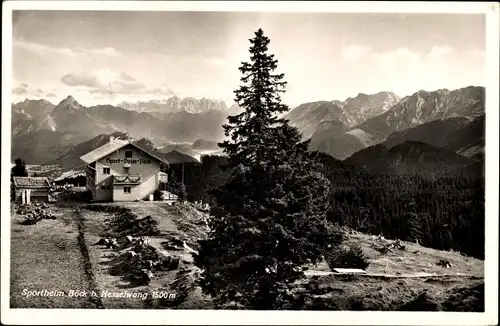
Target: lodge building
122	171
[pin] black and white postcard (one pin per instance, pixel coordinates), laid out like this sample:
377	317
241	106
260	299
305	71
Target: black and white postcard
253	162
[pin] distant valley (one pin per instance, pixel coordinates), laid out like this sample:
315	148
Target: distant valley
42	131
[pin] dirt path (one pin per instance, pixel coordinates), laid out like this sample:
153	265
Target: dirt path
102	260
92	287
47	258
381	275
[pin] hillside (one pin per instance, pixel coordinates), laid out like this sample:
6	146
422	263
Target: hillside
462	135
331	137
395	280
410	157
174	157
307	116
42	146
202	144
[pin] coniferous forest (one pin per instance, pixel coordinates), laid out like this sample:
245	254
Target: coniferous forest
441	211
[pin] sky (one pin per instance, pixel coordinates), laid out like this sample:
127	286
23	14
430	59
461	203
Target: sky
106	57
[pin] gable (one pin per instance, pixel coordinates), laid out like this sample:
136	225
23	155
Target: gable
110	148
139	156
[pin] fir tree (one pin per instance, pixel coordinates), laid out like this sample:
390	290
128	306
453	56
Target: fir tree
19	169
269	218
412	221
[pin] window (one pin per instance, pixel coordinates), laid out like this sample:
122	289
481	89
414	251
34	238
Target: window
126	170
126	190
128	154
105	187
106	170
163	168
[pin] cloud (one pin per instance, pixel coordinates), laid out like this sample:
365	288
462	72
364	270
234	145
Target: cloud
24	85
106	83
41	49
51	94
20	90
355	52
438	52
396	58
109	51
103	80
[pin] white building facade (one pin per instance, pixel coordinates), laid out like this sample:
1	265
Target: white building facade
122	171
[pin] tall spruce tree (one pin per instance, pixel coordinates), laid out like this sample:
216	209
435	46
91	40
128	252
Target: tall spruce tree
269	219
19	169
414	225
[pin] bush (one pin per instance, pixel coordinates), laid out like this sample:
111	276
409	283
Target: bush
157	194
350	257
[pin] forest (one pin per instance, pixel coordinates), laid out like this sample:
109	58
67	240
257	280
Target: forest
441	211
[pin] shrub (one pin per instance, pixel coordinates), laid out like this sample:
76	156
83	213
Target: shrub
351	256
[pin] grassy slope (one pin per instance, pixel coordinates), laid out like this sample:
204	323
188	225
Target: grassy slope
414	260
47	256
369	292
171	224
59	264
394	278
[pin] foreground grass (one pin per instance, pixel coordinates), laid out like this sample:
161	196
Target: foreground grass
47	256
97	226
61	255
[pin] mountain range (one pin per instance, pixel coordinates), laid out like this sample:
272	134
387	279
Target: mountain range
351	112
176	104
69	123
436	123
335	130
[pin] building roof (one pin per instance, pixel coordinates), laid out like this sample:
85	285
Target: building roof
32	182
111	147
104	150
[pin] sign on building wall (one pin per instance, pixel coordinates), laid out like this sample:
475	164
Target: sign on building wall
128	160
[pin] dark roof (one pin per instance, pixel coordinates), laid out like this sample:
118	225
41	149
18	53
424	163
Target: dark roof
161	159
31	182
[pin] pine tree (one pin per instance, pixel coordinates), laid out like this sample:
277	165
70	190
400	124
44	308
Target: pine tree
19	169
269	218
413	223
